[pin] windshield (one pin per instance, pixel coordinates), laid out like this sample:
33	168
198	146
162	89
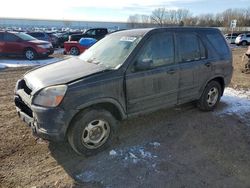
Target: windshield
111	51
25	37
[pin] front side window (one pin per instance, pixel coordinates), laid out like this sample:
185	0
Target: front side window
159	49
25	36
190	47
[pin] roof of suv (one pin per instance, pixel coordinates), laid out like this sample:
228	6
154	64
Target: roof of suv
144	31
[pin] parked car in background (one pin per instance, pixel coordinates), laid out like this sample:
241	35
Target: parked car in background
41	36
231	39
76	48
96	33
54	40
127	73
63	37
16	43
243	39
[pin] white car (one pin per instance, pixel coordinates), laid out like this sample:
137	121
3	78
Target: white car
243	39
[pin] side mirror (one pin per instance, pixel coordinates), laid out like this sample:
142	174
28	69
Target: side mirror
144	64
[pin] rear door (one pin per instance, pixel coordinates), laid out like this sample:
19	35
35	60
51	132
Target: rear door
13	44
1	43
194	66
157	86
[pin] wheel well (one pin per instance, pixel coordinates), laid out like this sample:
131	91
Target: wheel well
106	106
74	47
29	48
109	107
221	81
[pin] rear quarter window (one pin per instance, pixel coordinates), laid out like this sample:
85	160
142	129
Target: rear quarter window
218	43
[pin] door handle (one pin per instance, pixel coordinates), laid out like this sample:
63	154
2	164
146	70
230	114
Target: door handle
172	71
208	64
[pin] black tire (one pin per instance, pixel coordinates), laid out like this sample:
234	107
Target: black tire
74	51
80	125
205	103
244	43
30	54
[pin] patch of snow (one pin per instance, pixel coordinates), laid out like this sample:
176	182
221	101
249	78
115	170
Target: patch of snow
59	51
86	176
155	144
237	103
2	66
112	153
25	63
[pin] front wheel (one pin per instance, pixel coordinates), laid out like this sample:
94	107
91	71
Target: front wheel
30	54
210	97
244	43
74	51
92	131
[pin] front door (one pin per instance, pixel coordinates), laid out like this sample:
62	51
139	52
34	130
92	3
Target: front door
155	85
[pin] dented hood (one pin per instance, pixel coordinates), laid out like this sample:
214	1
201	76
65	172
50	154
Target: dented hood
60	73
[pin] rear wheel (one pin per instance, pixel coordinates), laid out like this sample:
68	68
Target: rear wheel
74	51
92	131
30	54
210	97
244	43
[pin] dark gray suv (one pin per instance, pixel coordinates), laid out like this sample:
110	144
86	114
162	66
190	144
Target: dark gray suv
127	73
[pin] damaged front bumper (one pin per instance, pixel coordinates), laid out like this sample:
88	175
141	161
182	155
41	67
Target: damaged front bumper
47	123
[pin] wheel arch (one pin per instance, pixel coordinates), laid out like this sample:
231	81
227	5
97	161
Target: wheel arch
29	48
219	79
109	104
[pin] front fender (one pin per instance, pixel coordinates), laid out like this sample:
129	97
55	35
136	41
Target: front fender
104	100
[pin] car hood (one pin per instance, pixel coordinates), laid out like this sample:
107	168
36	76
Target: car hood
60	73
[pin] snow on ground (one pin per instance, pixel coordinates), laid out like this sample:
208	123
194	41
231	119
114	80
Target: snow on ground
237	102
5	63
59	51
138	156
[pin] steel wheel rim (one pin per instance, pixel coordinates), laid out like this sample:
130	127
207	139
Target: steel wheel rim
95	134
212	96
29	54
74	51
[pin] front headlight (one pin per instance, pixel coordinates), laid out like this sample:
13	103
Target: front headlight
45	45
50	96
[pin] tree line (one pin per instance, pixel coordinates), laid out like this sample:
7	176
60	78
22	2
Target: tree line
183	17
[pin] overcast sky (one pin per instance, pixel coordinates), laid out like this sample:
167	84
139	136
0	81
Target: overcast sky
107	10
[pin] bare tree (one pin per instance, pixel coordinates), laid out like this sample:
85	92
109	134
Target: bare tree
158	16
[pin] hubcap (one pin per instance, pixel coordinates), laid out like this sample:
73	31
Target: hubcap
74	51
212	96
95	134
29	54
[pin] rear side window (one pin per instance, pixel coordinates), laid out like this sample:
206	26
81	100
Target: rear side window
1	36
190	47
248	35
10	37
218	43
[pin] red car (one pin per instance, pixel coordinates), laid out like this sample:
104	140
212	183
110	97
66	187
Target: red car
76	48
15	43
73	48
